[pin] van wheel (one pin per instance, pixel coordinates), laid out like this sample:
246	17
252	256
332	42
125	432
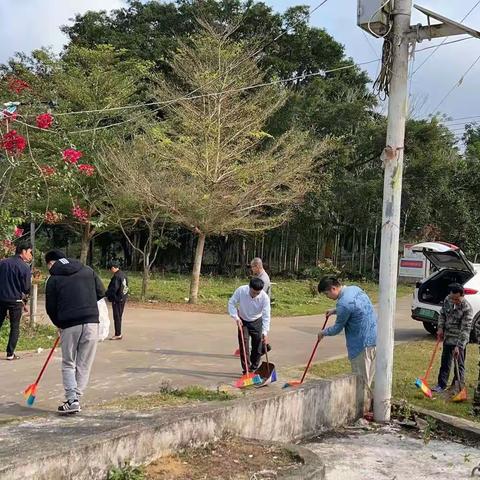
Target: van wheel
431	328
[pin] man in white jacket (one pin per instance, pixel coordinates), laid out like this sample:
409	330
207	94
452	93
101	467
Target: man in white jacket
249	307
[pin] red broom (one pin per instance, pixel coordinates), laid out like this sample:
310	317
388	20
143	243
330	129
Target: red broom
31	391
422	382
250	378
295	383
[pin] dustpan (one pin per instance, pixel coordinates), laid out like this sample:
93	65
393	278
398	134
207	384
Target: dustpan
267	372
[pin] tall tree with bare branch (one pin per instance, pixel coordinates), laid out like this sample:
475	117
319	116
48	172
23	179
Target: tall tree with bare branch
210	165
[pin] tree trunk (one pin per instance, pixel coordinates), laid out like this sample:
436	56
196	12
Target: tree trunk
145	276
197	266
85	243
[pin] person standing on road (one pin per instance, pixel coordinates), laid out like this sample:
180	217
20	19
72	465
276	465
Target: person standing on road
249	306
71	296
15	284
117	292
258	271
355	315
454	325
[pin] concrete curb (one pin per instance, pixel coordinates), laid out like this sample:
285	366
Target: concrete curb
85	447
460	426
312	469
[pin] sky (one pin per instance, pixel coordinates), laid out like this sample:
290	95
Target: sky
29	24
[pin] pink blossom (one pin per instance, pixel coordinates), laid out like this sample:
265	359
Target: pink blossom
44	121
70	155
13	143
86	169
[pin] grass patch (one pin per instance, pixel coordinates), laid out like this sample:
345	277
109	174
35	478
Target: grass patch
410	362
292	297
31	337
168	396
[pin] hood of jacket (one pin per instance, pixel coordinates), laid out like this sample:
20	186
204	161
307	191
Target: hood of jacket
66	267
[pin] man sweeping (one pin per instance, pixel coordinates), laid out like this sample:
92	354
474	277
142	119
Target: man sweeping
249	306
71	296
454	325
355	315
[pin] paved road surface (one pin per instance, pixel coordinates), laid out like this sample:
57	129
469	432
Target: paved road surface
184	347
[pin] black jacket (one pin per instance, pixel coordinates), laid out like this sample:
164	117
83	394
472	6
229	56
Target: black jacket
15	279
71	294
118	287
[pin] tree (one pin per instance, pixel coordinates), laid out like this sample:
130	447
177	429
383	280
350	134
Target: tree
61	173
210	166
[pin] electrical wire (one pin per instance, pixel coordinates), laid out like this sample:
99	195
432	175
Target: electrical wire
457	84
212	94
444	40
371	18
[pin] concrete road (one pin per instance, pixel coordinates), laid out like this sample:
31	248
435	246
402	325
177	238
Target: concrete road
183	347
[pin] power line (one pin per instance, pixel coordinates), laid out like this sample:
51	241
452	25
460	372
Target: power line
458	83
443	44
206	95
444	40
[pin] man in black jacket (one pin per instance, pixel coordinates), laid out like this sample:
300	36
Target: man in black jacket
15	283
71	296
117	293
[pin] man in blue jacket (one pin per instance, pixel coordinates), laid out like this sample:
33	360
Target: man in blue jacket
15	284
355	315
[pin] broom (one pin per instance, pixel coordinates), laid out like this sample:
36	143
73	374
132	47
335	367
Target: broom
31	391
248	378
421	382
461	396
295	383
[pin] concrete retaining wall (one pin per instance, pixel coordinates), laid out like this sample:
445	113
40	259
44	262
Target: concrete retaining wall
85	447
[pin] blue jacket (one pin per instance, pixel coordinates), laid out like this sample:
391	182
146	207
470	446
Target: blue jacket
356	315
15	279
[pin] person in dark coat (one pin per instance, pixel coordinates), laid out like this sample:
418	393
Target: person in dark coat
71	295
15	284
117	293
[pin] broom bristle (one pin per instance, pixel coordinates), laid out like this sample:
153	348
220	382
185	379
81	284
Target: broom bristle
30	400
423	387
293	383
247	382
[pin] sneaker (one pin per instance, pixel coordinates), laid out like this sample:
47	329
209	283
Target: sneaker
117	337
438	389
12	357
70	406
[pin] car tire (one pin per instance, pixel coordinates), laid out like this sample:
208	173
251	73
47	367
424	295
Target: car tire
474	332
431	328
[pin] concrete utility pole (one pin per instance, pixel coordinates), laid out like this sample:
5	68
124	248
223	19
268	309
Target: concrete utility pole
374	16
392	158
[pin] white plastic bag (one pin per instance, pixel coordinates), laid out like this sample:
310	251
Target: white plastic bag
104	327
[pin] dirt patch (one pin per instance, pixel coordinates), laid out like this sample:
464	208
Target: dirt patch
227	459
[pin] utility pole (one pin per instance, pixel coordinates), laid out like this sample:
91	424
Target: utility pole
392	158
375	16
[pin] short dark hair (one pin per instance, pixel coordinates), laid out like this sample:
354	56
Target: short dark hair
114	264
54	255
326	283
21	246
456	288
256	283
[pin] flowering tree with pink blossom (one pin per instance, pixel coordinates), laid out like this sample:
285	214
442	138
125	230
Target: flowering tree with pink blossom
53	152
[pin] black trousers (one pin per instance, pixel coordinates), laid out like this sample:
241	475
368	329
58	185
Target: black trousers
251	330
446	365
117	309
14	310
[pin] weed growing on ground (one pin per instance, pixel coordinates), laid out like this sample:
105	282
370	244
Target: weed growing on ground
126	472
